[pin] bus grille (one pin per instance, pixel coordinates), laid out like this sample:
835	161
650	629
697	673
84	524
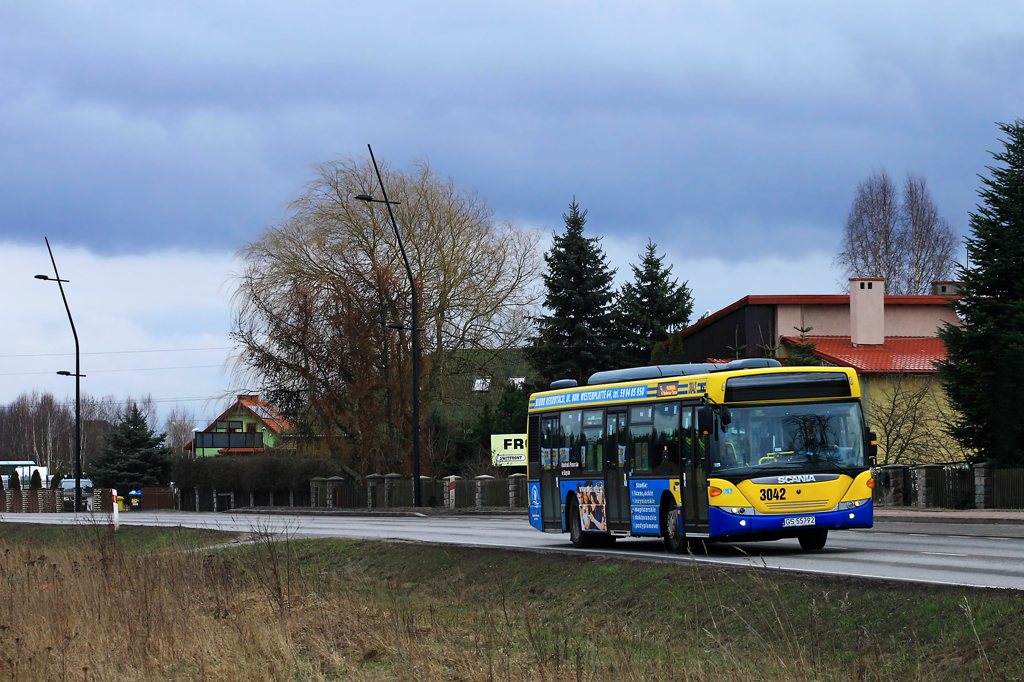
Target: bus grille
803	505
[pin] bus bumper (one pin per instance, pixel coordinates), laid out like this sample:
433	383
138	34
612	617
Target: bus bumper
732	526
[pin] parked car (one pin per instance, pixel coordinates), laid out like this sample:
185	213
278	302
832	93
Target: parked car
68	486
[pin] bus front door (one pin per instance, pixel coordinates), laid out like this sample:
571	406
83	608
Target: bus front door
615	468
550	498
695	490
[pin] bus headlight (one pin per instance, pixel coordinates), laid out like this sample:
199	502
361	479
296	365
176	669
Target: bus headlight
748	511
852	504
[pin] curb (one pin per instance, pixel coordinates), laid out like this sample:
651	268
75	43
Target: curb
940	517
389	513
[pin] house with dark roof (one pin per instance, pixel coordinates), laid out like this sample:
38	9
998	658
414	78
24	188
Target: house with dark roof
891	341
248	427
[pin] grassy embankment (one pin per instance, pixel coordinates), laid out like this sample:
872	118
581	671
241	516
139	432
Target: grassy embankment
153	604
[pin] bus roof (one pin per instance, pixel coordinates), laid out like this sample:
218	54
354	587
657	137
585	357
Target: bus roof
747	385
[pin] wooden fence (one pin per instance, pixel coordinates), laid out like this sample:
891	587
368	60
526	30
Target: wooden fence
1008	488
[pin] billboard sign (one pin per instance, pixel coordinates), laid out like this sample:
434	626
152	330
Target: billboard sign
508	449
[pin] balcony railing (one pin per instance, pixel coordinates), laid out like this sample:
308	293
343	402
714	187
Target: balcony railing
228	440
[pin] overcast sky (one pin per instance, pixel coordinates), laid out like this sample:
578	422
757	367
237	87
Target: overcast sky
150	141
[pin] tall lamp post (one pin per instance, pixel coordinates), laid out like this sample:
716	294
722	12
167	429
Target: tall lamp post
78	380
415	329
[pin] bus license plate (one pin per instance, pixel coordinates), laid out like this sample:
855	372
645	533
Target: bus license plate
798	521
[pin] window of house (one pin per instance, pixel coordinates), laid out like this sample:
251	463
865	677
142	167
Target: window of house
518	382
482	385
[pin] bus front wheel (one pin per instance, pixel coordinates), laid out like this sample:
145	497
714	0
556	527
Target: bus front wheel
675	541
813	539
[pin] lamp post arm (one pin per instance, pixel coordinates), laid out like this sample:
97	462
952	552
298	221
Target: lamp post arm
78	386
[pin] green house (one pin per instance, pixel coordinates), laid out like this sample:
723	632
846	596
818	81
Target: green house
248	427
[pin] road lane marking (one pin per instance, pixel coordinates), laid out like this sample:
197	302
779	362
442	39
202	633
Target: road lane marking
945	554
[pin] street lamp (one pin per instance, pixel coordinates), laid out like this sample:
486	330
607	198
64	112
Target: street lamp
78	380
416	502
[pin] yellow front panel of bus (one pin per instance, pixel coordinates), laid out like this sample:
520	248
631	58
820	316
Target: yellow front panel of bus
790	498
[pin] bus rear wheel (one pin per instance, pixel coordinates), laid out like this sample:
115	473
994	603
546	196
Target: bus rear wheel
580	540
813	539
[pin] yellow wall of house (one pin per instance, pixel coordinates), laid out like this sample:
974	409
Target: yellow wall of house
908	412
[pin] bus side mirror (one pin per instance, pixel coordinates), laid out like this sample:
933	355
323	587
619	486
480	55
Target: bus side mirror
872	447
705	419
725	416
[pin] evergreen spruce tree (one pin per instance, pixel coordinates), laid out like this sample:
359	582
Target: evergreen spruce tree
14	480
36	483
56	481
659	356
578	336
133	457
802	353
651	307
984	367
676	355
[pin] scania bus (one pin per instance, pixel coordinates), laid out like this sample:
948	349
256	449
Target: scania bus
737	452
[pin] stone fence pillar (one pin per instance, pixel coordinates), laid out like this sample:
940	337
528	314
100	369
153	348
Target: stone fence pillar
481	482
317	491
893	481
517	490
389	489
374	482
927	480
334	484
449	490
983	486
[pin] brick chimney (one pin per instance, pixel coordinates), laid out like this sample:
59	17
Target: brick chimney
867	311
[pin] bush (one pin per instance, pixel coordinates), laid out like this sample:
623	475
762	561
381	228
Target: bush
254	473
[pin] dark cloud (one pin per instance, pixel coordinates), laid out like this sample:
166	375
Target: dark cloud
726	130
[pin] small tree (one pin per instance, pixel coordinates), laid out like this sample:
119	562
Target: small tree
37	481
659	356
676	354
56	481
14	480
802	350
133	456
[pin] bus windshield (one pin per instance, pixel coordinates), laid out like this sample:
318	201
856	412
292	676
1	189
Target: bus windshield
821	436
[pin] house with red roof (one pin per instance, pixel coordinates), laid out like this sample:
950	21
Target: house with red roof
892	342
248	427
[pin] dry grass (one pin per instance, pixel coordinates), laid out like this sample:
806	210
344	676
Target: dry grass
321	610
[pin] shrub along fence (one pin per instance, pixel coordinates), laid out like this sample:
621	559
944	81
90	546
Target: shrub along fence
949	486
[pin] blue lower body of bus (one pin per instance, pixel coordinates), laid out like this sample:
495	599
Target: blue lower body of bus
724	525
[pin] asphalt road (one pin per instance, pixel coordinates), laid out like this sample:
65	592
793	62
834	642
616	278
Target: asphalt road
988	555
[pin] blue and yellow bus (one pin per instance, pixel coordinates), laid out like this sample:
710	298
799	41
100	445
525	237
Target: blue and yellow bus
744	451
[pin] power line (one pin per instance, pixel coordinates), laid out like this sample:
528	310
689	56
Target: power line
104	371
115	352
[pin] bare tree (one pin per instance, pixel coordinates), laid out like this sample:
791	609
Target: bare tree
928	241
178	428
911	416
317	291
871	244
898	236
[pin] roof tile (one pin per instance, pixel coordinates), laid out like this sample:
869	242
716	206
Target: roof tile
914	354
